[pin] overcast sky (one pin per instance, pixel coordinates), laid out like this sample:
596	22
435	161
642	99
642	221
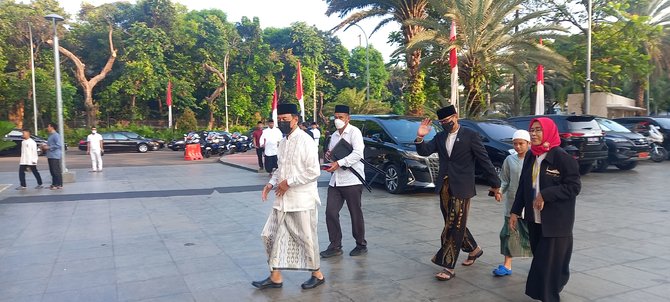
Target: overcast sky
280	13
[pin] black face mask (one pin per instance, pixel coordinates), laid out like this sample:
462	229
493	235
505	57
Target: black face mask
448	126
284	127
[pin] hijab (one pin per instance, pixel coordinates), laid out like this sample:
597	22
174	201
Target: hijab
550	138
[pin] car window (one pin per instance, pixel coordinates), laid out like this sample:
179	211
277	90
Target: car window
107	136
357	123
404	130
373	129
131	135
499	132
120	136
664	122
610	125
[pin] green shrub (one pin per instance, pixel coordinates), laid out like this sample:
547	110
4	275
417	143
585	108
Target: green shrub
239	128
5	127
187	121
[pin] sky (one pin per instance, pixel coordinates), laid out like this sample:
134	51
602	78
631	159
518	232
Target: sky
281	13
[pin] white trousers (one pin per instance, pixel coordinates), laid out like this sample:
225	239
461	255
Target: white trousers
96	160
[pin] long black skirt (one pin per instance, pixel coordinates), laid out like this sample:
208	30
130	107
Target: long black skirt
550	269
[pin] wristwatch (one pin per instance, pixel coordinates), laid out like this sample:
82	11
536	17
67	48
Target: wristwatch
418	139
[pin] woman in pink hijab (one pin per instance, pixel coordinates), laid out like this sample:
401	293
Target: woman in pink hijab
548	188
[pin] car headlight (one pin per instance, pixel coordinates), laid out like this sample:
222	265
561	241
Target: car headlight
619	140
415	156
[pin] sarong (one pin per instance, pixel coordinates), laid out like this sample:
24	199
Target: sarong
455	235
515	243
291	240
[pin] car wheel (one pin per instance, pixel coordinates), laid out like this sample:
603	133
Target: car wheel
395	182
585	168
627	165
601	165
143	148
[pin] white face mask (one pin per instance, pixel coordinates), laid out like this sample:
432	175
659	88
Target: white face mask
94	131
339	124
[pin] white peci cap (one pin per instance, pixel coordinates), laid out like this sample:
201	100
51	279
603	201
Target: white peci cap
521	134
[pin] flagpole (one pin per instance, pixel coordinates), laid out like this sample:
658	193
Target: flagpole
170	116
225	86
314	116
32	66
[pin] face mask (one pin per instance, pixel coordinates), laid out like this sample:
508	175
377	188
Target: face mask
448	126
339	124
94	132
285	127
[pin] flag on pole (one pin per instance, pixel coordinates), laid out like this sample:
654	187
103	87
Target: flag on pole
539	97
453	63
168	101
298	92
274	106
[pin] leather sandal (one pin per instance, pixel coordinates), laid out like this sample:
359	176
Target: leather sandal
449	275
473	258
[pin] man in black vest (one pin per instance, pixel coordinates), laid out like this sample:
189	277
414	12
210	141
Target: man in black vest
459	150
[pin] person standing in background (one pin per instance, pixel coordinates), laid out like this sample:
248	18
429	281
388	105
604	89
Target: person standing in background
28	160
95	148
316	133
257	144
270	141
54	156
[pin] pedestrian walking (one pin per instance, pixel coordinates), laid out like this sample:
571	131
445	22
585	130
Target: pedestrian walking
316	133
547	194
290	235
54	156
257	144
95	148
269	141
345	186
513	243
459	150
28	160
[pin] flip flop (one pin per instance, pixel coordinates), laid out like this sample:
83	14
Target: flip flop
473	258
502	271
449	274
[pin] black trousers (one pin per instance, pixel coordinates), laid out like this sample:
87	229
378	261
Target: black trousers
270	163
336	198
259	154
22	174
456	237
56	172
550	269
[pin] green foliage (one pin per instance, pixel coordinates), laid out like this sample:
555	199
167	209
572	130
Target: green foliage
5	127
355	99
378	73
187	121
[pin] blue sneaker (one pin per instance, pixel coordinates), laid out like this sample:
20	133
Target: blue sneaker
502	271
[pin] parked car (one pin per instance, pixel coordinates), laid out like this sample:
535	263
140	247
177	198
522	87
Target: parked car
662	122
159	143
625	148
581	137
389	145
497	138
117	141
16	136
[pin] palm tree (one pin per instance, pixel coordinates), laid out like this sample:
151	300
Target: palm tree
391	10
487	43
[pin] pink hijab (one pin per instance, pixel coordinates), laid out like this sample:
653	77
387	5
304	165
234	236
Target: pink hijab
550	138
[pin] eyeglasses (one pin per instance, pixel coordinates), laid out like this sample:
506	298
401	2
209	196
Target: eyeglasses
535	130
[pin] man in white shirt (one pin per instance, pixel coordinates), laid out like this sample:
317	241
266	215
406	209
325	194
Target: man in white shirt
95	149
316	133
270	140
28	160
345	186
290	235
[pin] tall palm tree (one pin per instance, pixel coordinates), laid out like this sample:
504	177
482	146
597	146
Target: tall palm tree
390	10
487	43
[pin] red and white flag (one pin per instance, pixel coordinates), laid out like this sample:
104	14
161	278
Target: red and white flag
539	96
298	92
453	63
274	106
168	101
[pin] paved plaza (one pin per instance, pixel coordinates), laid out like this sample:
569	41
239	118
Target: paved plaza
190	232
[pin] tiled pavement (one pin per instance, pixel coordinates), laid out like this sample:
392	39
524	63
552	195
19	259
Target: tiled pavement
201	241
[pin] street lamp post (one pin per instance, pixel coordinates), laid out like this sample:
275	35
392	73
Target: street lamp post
54	18
32	68
367	62
587	89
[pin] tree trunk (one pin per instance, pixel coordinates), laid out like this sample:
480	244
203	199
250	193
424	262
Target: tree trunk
215	95
86	84
639	94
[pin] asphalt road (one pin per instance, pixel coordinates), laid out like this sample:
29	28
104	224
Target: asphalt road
76	159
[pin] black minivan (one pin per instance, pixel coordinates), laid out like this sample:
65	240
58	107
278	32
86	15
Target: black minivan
497	139
581	137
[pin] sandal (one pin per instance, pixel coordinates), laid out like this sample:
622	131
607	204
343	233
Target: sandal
473	258
502	271
445	275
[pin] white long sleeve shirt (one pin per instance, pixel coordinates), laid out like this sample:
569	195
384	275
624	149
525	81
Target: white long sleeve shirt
28	152
270	140
341	177
298	164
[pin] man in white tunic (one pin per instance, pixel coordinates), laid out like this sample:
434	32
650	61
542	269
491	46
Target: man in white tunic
94	148
290	235
28	160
